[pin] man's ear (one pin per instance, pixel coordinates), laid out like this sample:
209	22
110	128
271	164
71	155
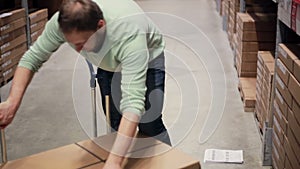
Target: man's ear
101	23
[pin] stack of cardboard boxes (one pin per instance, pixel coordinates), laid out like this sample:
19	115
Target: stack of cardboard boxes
234	7
286	120
38	20
265	73
255	31
12	42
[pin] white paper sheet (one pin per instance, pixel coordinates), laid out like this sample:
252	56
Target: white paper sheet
223	156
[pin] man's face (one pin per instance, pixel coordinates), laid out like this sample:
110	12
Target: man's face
79	39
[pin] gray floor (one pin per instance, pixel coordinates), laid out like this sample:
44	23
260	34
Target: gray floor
202	110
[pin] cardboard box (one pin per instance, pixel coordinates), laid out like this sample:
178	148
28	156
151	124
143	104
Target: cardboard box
156	154
283	90
12	35
38	25
296	109
248	56
293	143
294	88
39	15
290	154
281	103
266	57
14	52
288	53
67	157
12	44
12	26
255	22
8	17
280	117
282	72
296	70
294	125
35	35
277	129
287	163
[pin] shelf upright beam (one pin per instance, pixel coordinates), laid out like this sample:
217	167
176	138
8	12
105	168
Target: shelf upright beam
25	6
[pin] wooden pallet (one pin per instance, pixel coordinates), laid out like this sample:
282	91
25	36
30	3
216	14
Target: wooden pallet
247	88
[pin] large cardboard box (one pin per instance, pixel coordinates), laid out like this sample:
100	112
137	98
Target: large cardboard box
288	54
12	44
294	125
12	26
294	88
280	117
67	157
290	154
39	15
281	103
147	153
38	25
8	17
14	52
296	70
277	129
283	90
256	21
282	72
12	35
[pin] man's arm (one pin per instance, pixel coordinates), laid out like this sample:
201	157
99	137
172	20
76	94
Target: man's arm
8	109
126	133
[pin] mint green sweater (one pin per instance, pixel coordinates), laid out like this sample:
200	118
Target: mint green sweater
131	42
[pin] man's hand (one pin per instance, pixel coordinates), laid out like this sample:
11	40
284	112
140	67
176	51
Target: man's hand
7	113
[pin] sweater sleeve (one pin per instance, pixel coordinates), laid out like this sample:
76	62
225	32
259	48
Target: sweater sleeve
48	42
134	61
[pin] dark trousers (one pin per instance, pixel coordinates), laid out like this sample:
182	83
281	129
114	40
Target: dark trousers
151	123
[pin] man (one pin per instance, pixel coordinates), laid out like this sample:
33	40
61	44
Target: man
117	37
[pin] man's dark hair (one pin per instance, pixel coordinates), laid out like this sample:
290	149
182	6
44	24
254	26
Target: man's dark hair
79	15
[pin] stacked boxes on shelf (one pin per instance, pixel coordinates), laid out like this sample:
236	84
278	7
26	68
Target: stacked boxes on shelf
255	31
265	73
247	91
12	42
234	7
38	21
286	120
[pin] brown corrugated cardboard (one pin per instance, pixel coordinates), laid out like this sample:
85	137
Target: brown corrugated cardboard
10	45
265	57
12	26
277	129
269	73
288	53
283	90
282	72
287	163
296	70
296	108
148	153
278	145
280	117
96	166
294	125
281	103
67	157
248	56
294	88
290	154
38	15
11	35
38	25
277	159
35	35
8	17
254	22
293	142
16	51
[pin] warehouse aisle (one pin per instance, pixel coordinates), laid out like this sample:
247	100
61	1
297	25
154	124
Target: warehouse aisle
201	84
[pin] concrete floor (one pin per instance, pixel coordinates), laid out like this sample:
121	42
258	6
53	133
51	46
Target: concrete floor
202	109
